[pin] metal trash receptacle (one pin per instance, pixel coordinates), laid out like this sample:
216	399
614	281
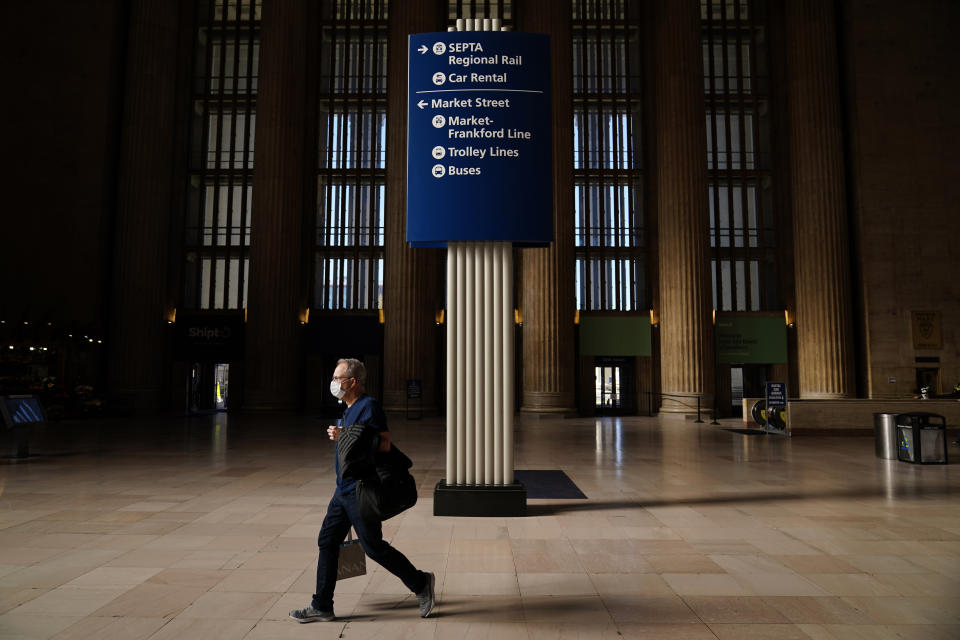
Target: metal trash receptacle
885	435
922	438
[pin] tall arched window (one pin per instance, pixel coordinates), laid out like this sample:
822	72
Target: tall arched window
351	162
742	216
608	153
220	189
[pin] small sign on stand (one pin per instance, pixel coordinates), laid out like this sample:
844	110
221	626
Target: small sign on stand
777	416
415	394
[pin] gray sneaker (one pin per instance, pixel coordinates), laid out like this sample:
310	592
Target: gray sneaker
426	596
311	615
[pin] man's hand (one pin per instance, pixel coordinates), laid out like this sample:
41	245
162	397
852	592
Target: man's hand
334	432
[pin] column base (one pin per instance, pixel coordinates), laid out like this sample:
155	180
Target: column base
264	405
135	399
687	405
820	395
542	414
548	402
503	501
270	399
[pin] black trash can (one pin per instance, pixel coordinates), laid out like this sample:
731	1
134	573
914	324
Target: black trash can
922	438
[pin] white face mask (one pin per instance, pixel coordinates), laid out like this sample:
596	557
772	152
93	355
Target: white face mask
336	388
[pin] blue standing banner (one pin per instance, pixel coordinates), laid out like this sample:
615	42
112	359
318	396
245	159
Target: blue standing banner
479	139
776	400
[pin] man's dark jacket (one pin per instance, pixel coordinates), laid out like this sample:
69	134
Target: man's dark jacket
384	484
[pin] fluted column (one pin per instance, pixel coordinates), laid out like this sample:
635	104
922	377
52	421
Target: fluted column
686	329
140	292
822	268
276	295
411	296
546	283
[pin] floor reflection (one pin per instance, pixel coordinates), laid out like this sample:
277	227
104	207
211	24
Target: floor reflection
182	524
218	437
608	440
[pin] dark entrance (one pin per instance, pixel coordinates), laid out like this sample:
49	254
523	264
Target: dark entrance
208	388
930	378
746	381
615	382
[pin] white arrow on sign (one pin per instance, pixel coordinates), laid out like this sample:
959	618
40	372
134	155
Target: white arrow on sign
422	104
422	49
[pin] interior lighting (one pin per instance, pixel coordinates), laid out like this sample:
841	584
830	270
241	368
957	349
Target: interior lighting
654	318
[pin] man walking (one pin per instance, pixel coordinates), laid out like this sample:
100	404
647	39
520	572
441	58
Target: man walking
349	379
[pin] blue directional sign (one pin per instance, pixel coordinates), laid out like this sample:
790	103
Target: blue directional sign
776	397
479	146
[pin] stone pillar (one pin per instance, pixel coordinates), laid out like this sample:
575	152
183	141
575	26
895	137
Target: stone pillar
411	297
276	295
546	284
140	291
685	305
821	244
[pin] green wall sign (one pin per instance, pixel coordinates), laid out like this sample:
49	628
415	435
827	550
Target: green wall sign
751	339
614	335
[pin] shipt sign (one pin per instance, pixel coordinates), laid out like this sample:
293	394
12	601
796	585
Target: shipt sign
478	138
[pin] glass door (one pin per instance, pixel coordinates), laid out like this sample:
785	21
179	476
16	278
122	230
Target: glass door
608	383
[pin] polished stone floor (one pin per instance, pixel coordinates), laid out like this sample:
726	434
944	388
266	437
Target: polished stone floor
206	528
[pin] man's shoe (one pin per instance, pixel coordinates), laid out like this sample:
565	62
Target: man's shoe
426	596
311	615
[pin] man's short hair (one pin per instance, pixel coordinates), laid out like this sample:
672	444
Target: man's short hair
355	369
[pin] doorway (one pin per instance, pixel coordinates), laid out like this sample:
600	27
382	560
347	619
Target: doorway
208	388
614	386
746	381
221	384
928	377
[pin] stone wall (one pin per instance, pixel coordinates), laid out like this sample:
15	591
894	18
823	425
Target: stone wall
844	415
63	101
903	96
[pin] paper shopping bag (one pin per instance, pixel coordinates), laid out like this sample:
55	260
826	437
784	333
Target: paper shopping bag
352	561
